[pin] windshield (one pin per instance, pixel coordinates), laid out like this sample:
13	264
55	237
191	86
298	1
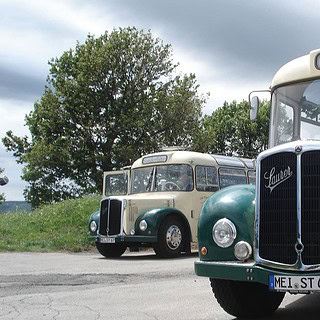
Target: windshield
162	178
116	184
295	113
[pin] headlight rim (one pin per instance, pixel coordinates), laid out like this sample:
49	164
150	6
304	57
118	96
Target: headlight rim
143	225
249	248
233	233
95	228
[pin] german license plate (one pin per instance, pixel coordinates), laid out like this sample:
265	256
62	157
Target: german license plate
294	283
107	240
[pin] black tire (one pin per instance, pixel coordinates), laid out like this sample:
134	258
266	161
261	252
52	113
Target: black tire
171	238
246	299
111	250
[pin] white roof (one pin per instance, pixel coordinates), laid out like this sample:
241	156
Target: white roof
302	68
190	157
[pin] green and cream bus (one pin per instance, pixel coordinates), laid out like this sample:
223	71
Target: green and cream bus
156	203
258	243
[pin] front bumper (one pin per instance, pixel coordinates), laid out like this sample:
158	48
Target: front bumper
242	271
129	240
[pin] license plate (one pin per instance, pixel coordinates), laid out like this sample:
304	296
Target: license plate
294	283
107	240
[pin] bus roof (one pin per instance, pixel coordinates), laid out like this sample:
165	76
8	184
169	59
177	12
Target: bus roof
190	157
303	68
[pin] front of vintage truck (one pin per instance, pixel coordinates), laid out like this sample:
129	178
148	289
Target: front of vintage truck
256	244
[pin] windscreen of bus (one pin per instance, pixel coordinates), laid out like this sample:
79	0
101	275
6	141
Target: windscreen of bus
177	177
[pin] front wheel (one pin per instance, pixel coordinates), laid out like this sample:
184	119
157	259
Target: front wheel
171	238
245	299
111	250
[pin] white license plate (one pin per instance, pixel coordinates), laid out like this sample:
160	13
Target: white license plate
294	283
107	240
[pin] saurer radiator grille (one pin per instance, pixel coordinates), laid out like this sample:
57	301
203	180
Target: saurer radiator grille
115	217
310	207
110	217
278	208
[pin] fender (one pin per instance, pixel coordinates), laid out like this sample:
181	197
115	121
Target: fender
154	219
236	203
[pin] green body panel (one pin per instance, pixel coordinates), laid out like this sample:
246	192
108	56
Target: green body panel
235	203
240	271
154	219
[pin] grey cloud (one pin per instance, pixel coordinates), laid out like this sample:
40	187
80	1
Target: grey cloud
25	19
20	86
252	38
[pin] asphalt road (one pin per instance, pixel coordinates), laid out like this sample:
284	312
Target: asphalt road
136	286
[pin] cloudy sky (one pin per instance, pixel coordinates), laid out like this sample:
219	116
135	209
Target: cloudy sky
233	47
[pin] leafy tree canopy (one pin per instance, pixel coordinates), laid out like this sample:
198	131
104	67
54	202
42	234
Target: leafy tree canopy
106	102
229	131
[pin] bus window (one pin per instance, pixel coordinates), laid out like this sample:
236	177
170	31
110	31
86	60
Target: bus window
141	180
177	177
206	178
173	178
252	177
228	177
116	184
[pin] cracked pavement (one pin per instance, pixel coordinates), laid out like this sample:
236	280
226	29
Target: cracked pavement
136	286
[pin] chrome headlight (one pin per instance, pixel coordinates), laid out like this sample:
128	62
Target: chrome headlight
224	232
93	226
143	225
242	250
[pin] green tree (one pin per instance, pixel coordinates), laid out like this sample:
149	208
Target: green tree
2	197
106	102
229	131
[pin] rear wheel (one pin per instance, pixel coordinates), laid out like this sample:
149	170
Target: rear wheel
171	238
111	250
245	299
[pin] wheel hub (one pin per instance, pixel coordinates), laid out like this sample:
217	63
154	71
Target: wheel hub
173	237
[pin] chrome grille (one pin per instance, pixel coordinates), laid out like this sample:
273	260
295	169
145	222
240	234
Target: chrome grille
310	207
110	217
278	209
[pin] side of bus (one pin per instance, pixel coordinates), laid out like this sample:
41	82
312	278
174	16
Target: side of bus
165	194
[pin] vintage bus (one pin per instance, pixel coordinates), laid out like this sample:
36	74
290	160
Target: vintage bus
161	200
256	244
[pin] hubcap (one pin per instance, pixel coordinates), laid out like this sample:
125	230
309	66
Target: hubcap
173	237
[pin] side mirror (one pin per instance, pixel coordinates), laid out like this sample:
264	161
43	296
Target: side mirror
254	107
4	181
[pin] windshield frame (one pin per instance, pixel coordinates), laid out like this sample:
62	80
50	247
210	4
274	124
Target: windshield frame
294	123
152	183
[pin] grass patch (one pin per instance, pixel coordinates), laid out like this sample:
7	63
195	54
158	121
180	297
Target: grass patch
59	227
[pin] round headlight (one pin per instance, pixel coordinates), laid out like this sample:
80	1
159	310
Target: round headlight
143	225
224	232
242	250
93	226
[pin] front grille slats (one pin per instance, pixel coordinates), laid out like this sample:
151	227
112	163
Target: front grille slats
115	217
278	208
110	217
310	207
279	220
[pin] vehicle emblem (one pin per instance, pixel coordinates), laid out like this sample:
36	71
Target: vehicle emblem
275	179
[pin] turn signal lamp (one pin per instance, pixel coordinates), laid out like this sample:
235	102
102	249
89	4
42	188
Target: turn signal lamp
204	251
